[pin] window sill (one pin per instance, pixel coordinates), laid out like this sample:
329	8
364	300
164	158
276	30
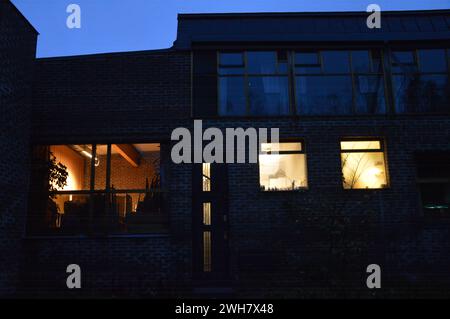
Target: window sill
148	235
288	191
365	189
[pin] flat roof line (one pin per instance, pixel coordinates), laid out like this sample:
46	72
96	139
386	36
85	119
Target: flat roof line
303	14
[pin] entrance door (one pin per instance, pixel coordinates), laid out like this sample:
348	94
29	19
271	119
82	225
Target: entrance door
210	221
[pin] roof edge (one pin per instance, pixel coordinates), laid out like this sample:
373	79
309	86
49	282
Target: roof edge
106	54
183	16
21	14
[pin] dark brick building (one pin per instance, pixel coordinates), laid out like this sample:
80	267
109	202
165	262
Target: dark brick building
304	223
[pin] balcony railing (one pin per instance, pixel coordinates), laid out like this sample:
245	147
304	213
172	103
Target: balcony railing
100	213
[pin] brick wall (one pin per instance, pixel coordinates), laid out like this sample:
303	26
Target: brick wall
123	175
141	97
269	256
116	98
129	95
17	52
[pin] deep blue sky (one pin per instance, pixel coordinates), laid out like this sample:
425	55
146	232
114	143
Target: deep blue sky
128	25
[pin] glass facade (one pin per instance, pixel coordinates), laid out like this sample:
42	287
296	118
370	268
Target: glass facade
420	80
333	82
253	83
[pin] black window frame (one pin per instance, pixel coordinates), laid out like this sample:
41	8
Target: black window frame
417	63
382	149
92	190
302	151
385	72
351	72
420	180
246	75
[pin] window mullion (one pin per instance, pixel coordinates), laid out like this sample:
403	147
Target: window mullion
352	75
246	89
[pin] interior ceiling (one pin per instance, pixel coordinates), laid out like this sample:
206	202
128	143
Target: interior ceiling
154	147
141	148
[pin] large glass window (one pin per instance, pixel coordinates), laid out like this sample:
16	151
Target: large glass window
79	189
332	82
363	164
324	94
253	83
282	166
339	82
421	81
232	99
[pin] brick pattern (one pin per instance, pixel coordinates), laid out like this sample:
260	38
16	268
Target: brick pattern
141	97
114	98
17	52
408	248
151	90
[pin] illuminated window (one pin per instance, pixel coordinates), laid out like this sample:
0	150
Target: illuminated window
363	164
74	186
282	167
206	251
207	237
206	177
207	214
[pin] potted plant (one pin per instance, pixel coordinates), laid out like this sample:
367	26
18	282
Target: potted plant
57	179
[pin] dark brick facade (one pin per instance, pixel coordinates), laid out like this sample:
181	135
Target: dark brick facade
17	53
140	97
150	89
109	98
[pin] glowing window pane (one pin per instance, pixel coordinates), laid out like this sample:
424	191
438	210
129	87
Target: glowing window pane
278	172
363	170
206	171
207	251
207	214
360	145
274	147
76	160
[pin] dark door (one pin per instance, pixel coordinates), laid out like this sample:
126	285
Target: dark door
210	220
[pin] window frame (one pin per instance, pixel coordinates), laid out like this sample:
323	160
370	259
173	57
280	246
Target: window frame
291	75
351	73
246	75
429	180
382	149
417	63
302	151
385	72
91	190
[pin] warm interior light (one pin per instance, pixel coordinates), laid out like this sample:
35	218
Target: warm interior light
363	170
86	153
282	171
372	177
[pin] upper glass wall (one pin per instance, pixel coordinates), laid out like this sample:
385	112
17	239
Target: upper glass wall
332	82
339	82
253	83
420	81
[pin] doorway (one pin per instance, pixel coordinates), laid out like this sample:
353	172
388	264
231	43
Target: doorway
210	221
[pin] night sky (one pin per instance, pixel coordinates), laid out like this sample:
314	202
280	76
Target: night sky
129	25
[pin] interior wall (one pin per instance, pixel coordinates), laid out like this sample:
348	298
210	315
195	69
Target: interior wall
74	163
75	167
